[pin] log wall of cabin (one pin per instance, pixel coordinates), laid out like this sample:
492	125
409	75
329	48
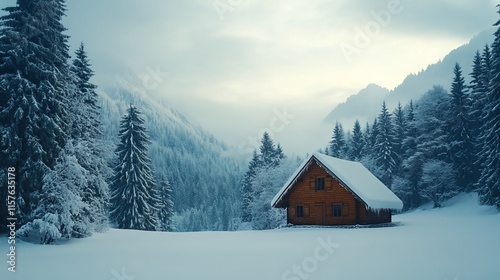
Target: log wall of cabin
318	204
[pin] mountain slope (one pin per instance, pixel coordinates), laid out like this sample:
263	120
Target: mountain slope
363	103
366	104
205	177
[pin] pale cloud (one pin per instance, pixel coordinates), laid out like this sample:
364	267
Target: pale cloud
230	74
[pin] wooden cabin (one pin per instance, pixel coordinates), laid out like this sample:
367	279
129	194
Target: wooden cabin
329	191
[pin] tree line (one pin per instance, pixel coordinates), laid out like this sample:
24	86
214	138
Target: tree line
51	135
440	145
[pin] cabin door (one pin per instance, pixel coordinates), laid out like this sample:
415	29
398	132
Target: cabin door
320	213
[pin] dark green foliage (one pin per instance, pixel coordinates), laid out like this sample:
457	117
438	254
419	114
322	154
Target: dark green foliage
33	95
338	143
462	143
134	204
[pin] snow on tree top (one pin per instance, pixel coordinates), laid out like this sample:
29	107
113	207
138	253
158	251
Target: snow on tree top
353	176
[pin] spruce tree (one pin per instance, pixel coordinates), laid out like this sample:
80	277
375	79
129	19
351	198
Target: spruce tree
166	211
477	94
338	143
462	144
85	129
399	134
60	212
134	204
356	143
386	155
268	152
371	138
270	157
489	183
84	105
409	146
246	191
33	95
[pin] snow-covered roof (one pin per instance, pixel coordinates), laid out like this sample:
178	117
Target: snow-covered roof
351	175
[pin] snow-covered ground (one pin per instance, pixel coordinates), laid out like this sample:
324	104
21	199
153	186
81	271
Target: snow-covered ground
459	241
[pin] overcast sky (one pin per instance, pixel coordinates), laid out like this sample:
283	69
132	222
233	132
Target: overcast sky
233	64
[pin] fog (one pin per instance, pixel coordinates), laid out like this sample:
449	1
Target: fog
231	65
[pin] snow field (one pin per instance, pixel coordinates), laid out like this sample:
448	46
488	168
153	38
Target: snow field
459	241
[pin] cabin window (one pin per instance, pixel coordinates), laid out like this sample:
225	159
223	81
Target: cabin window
299	211
337	210
320	184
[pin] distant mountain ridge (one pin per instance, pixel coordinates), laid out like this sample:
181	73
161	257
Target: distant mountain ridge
366	104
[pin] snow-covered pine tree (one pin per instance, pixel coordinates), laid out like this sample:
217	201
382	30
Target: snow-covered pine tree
366	138
268	151
399	134
60	212
33	87
246	190
356	143
431	114
338	143
85	127
438	181
487	69
408	145
385	153
265	185
462	143
133	201
489	182
270	157
406	184
278	154
166	211
84	107
476	93
371	135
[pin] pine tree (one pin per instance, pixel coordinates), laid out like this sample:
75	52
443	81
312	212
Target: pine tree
356	143
270	157
409	145
476	93
406	186
371	135
166	212
399	134
489	183
60	212
278	154
268	151
487	70
33	95
133	201
462	144
386	155
84	105
246	191
338	143
85	128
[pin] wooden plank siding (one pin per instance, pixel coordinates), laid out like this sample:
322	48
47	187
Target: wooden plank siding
318	205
